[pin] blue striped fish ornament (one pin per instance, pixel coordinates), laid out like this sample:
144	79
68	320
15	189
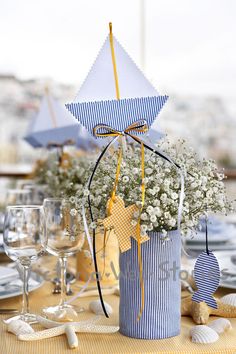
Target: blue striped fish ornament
207	278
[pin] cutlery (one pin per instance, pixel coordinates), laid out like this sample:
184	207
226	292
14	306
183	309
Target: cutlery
70	279
2	311
106	291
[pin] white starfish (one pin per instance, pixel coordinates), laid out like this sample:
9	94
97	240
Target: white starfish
55	329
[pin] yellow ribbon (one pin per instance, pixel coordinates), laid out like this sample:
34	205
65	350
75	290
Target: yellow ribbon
103	130
139	231
140	126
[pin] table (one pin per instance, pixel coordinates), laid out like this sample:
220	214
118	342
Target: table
109	343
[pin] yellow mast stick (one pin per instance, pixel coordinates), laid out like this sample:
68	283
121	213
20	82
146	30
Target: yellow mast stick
51	112
114	62
113	57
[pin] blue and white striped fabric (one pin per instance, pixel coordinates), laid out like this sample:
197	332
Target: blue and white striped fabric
118	114
207	278
161	315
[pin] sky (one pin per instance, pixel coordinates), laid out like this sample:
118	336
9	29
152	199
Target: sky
189	44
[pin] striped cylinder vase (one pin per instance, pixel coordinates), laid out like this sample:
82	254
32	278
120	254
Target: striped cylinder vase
162	292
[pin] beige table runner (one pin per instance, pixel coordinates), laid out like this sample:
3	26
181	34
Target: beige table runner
106	344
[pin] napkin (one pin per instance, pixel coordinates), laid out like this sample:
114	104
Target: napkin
219	233
7	275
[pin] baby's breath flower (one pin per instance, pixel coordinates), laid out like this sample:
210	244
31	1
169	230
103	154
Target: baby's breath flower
135	170
148	171
134	222
72	199
144	216
153	218
86	192
149	209
136	214
73	212
93	225
174	195
125	179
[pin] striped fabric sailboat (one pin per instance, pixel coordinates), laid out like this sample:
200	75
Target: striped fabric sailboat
96	101
53	124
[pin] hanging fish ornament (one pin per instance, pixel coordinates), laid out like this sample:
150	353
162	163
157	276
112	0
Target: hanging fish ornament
207	276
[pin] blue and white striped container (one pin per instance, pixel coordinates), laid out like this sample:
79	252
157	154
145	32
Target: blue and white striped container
161	265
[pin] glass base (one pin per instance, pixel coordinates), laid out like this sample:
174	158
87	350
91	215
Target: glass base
28	317
62	313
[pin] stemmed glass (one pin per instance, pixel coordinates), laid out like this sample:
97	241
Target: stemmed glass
18	197
38	192
64	238
24	241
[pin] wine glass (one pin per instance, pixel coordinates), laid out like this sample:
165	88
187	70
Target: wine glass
24	241
63	239
18	197
38	192
22	183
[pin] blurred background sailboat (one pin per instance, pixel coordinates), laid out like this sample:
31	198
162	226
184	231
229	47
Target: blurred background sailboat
54	126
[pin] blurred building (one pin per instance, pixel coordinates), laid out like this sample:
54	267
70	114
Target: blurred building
206	122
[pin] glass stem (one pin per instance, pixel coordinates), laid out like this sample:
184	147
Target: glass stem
63	264
25	299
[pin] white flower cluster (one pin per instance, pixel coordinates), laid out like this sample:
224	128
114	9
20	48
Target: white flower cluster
204	187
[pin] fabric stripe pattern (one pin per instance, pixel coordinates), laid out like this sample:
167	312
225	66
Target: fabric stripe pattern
118	114
161	266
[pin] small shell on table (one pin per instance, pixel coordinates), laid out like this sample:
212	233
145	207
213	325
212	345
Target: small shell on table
203	334
96	307
19	327
229	299
220	325
67	315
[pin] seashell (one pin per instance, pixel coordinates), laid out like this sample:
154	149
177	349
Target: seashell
96	307
19	327
220	325
229	299
203	334
65	315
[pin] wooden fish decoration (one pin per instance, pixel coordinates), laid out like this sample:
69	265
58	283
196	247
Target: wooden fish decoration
207	278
